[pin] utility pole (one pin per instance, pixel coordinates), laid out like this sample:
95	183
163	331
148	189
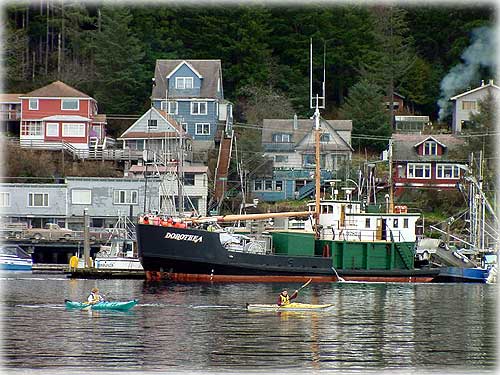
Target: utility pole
86	242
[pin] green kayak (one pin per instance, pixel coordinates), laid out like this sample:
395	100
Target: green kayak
294	306
122	306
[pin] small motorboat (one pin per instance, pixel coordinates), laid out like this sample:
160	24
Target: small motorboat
294	306
104	305
14	258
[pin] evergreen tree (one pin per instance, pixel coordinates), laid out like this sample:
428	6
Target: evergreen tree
121	82
394	55
370	122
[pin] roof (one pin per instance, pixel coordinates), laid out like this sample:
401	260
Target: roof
130	133
210	70
304	126
162	169
190	67
56	89
303	130
66	118
482	87
404	145
10	98
430	137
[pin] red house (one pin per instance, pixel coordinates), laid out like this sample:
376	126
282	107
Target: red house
58	116
426	161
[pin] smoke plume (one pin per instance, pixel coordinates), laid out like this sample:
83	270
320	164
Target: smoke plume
481	52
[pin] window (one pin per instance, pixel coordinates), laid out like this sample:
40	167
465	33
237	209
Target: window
268	185
189	179
31	128
184	82
125	197
419	171
324	138
430	148
73	130
52	129
70	104
38	200
468	105
281	158
309	160
4	199
279	185
152	124
405	223
257	185
198	108
33	104
282	138
202	129
395	223
367	222
171	107
81	196
447	171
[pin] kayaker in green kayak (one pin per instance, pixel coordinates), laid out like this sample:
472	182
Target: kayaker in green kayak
284	298
94	297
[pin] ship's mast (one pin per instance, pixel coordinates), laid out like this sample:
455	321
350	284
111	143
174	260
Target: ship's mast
317	128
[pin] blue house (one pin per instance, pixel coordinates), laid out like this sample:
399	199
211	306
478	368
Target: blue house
191	91
289	143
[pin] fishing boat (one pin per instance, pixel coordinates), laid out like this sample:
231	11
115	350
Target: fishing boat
342	239
105	305
14	258
294	306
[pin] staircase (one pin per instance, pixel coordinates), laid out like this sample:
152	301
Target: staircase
222	169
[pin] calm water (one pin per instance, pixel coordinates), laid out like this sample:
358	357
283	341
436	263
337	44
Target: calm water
204	327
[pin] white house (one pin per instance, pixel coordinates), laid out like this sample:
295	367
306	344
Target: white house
467	103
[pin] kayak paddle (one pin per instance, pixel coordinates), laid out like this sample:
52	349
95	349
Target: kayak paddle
303	286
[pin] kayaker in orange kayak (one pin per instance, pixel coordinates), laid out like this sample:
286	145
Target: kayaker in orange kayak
284	298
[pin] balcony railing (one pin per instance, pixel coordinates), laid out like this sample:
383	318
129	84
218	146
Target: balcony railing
10	115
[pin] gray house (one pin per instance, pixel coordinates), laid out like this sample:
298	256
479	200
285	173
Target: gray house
467	103
104	198
289	143
191	91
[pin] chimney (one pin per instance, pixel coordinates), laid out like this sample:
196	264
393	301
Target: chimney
491	82
295	122
482	82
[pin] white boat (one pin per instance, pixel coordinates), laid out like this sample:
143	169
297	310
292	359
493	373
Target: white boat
14	258
119	255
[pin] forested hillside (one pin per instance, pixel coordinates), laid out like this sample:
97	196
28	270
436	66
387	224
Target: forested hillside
109	52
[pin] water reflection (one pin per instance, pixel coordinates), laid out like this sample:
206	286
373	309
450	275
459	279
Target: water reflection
206	326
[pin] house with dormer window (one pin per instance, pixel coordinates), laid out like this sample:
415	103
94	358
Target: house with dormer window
467	104
191	92
289	143
58	116
426	161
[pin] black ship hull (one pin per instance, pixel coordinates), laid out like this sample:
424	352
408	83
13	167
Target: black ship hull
186	254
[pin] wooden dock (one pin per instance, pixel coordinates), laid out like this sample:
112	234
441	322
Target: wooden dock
49	268
94	273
